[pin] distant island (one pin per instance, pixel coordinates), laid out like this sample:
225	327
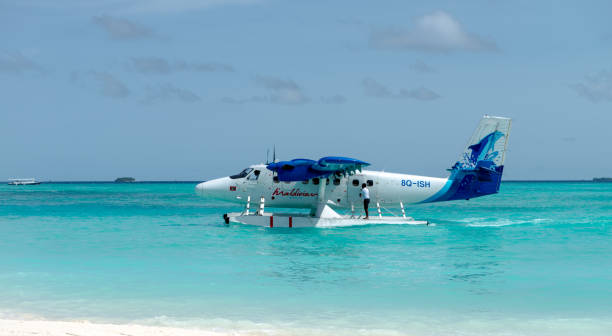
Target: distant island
602	179
125	180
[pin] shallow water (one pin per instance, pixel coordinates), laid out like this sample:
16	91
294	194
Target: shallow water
534	259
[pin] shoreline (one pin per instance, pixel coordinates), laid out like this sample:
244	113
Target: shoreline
419	327
85	328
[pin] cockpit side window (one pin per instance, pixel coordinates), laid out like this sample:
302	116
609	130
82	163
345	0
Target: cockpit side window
242	174
254	176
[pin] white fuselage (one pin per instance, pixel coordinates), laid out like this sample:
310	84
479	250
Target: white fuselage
340	191
477	173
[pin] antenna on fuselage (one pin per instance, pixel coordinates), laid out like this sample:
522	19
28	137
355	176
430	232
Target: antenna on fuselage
274	155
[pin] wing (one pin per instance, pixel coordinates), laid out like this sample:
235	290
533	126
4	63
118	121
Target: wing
304	169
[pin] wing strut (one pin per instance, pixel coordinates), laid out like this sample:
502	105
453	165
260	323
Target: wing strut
323	210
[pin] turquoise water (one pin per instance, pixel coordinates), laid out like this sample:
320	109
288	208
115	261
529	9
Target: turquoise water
533	260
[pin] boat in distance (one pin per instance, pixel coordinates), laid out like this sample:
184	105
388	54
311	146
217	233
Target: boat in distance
334	183
125	180
23	181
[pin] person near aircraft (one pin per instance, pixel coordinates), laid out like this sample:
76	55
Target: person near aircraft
365	193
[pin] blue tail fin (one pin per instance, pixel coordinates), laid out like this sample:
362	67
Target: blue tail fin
479	169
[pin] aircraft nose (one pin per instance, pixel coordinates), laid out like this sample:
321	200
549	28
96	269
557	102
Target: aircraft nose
213	187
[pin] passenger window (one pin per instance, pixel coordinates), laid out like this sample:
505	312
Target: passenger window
275	179
336	181
305	182
315	181
326	181
370	183
356	183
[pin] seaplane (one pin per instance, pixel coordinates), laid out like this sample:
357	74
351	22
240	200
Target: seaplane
331	187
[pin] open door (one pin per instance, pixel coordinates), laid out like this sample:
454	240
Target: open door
353	190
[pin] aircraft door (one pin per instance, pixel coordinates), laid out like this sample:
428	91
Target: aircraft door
353	190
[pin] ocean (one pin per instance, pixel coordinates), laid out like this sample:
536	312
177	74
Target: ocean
535	259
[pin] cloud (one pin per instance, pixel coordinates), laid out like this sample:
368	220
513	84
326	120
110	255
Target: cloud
151	65
421	67
157	65
103	82
420	93
169	92
596	88
174	6
204	67
435	32
253	99
274	83
17	63
122	29
128	7
289	97
335	99
109	86
373	88
280	91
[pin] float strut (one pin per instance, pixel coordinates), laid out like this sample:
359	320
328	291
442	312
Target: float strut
262	202
248	205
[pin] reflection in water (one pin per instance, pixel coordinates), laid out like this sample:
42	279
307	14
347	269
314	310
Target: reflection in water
473	258
313	256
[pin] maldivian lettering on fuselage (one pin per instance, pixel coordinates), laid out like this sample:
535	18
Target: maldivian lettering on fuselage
418	184
296	192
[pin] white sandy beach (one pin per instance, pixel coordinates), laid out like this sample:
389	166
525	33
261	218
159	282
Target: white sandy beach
467	327
84	328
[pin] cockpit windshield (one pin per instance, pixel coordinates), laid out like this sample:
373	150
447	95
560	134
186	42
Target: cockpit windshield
242	174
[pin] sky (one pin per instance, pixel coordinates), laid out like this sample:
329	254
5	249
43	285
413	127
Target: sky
192	90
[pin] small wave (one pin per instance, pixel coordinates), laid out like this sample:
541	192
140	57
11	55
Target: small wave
414	325
407	325
498	222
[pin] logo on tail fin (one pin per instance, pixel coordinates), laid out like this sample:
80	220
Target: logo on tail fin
484	150
479	169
